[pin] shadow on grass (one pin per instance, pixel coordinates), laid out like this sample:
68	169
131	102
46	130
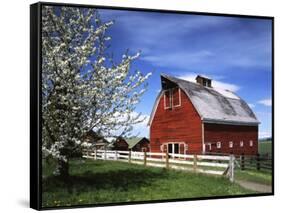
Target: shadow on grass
88	181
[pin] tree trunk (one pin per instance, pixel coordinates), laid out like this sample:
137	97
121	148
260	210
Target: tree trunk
63	169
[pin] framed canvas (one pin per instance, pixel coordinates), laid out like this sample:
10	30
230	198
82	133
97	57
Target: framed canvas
133	105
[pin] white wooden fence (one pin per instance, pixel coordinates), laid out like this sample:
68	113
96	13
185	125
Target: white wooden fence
209	164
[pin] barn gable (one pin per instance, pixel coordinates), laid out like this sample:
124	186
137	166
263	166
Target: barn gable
213	105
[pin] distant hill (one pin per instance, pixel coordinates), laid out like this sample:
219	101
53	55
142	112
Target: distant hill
265	139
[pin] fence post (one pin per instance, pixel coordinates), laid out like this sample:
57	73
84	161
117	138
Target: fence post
88	152
104	154
194	163
116	155
167	160
129	157
231	168
242	162
258	162
95	153
144	158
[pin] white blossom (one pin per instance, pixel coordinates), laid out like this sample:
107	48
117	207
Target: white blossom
81	90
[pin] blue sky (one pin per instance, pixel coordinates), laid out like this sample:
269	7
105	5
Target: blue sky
234	52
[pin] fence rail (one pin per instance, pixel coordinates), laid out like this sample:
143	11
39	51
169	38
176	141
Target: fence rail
260	162
208	164
257	162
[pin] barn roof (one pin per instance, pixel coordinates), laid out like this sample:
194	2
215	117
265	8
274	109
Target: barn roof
95	138
212	104
133	141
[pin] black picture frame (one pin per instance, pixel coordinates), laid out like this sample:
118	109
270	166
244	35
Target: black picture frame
36	107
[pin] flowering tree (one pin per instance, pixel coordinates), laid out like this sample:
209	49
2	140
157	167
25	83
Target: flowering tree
82	87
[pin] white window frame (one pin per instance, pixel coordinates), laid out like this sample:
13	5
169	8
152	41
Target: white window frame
209	145
170	95
185	145
179	92
205	83
230	144
218	145
241	143
251	143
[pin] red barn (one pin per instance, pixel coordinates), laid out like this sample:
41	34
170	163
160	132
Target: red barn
120	144
196	118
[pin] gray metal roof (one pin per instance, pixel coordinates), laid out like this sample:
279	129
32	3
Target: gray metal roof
132	142
214	105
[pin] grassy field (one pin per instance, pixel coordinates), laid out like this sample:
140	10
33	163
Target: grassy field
96	182
265	147
253	175
262	177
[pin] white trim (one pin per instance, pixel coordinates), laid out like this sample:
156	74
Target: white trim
167	77
185	146
241	143
251	143
229	122
218	145
179	91
156	103
203	139
230	144
170	97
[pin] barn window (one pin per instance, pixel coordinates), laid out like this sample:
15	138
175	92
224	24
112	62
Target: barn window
205	82
230	144
208	146
251	143
218	145
241	143
167	99
176	97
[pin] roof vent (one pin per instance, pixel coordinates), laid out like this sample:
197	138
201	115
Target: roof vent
204	81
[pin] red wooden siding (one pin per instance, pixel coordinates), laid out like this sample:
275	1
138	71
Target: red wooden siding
142	146
177	124
225	133
120	144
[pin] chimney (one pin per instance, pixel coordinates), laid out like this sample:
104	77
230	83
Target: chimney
204	81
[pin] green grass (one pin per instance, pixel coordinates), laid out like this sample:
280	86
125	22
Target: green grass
96	182
253	175
262	177
265	147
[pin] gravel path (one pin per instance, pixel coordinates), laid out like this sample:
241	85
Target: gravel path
258	187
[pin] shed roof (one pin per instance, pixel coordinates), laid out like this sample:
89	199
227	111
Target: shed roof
212	104
95	138
133	141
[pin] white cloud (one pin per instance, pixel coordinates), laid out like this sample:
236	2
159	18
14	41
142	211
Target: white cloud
264	134
217	84
180	59
266	102
141	129
251	105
